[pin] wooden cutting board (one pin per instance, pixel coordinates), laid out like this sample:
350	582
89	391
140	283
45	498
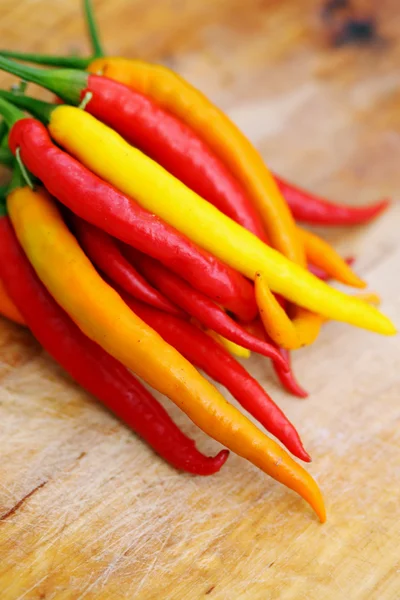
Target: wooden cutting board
87	511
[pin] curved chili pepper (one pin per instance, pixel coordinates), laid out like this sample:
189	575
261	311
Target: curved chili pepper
301	331
103	206
127	168
174	145
102	315
309	208
206	354
137	175
240	211
105	254
176	96
199	306
95	370
285	376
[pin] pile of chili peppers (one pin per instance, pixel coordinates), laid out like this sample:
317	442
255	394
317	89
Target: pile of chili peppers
142	235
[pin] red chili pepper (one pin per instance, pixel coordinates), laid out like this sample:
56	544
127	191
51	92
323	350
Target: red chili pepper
286	376
101	204
206	354
94	369
309	208
173	144
158	133
199	306
103	251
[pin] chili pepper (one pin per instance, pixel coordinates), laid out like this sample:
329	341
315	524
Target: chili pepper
302	330
309	208
100	204
105	254
305	326
232	348
124	166
102	315
285	376
179	98
88	364
128	169
206	354
322	255
330	260
164	138
199	306
315	247
7	307
321	274
173	145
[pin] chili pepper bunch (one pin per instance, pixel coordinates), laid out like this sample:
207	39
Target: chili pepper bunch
142	235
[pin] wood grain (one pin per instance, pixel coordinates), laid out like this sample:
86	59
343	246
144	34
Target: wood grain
87	511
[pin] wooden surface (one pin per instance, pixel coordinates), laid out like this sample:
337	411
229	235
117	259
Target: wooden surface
87	511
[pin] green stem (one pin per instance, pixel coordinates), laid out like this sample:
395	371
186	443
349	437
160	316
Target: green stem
66	83
39	109
70	62
24	171
10	112
92	29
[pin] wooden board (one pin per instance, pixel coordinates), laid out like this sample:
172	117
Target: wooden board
87	511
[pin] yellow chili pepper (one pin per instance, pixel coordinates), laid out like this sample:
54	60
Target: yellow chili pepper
305	326
103	316
233	348
8	308
176	95
286	333
107	154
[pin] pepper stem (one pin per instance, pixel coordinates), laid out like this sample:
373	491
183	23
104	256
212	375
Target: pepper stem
21	166
70	62
10	112
66	83
92	29
39	109
85	100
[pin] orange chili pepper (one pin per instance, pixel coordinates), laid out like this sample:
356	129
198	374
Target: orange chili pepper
103	316
322	255
305	326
